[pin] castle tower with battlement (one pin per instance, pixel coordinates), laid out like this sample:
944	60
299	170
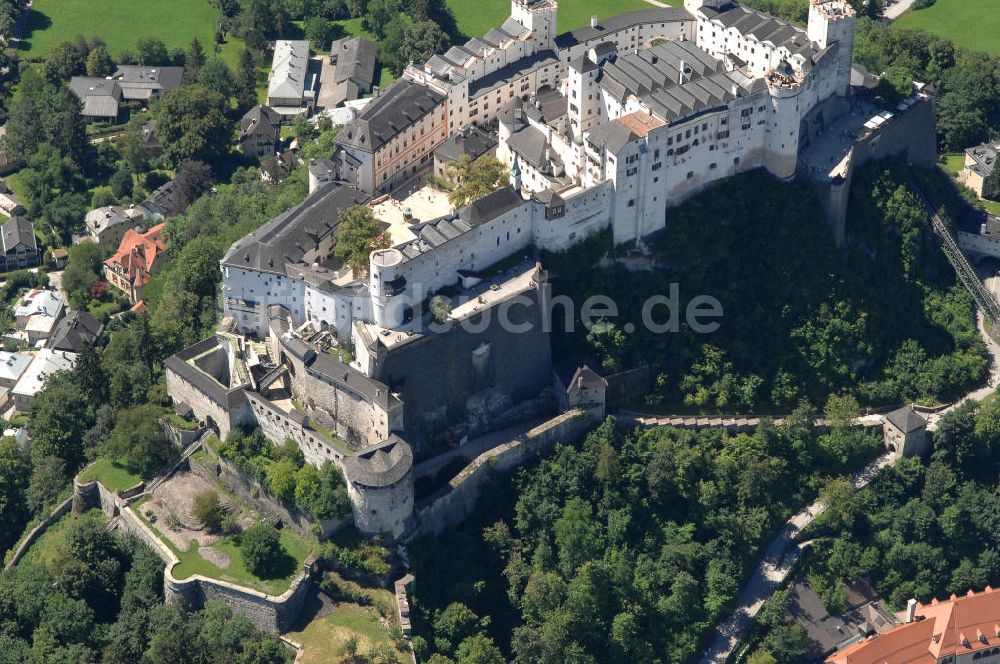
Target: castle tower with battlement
831	25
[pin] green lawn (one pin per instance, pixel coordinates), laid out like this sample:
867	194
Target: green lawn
51	545
108	472
974	25
952	163
324	639
192	563
120	23
476	17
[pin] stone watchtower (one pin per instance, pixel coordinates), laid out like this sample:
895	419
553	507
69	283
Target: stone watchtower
832	22
540	17
905	433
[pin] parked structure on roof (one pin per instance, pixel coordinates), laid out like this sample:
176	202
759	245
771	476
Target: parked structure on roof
139	256
294	79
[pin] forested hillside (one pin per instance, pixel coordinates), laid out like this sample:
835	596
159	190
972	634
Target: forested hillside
626	549
883	318
98	597
923	529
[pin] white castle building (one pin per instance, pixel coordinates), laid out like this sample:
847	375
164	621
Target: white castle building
605	127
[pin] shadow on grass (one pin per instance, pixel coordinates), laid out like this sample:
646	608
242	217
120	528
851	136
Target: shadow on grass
34	20
283	567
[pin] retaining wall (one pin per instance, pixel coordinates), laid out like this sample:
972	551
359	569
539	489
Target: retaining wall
251	491
271	613
455	502
37	531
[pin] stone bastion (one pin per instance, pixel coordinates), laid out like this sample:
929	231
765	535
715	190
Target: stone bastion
271	613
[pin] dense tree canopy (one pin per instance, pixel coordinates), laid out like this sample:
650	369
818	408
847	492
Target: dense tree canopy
193	124
625	550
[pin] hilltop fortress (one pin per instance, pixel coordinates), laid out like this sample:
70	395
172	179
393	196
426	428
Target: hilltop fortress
605	127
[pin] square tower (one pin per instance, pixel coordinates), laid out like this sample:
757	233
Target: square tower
539	16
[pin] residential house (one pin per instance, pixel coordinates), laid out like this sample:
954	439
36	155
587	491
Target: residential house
140	83
12	366
101	98
20	248
471	141
37	314
107	225
956	630
277	168
150	141
980	172
167	200
45	363
293	81
355	61
10	204
139	256
74	331
864	614
260	130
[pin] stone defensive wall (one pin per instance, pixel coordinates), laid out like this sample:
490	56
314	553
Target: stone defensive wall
249	490
454	502
271	613
36	532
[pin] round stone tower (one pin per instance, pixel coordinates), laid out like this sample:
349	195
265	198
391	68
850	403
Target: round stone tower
384	286
380	485
785	85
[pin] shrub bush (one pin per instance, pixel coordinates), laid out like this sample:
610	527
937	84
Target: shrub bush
262	550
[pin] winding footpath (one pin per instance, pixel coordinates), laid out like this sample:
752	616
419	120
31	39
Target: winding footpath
780	555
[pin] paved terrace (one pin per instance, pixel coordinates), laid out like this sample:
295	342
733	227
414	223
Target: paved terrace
424	204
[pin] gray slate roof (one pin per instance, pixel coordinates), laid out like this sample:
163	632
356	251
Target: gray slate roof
621	22
286	238
260	120
516	70
906	419
382	465
356	61
142	82
289	68
471	141
763	27
211	388
401	104
491	206
18	231
984	157
100	97
73	331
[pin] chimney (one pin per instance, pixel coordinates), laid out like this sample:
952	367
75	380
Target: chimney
911	610
680	73
593	21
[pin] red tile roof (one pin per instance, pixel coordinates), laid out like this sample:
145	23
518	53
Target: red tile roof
137	254
956	626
